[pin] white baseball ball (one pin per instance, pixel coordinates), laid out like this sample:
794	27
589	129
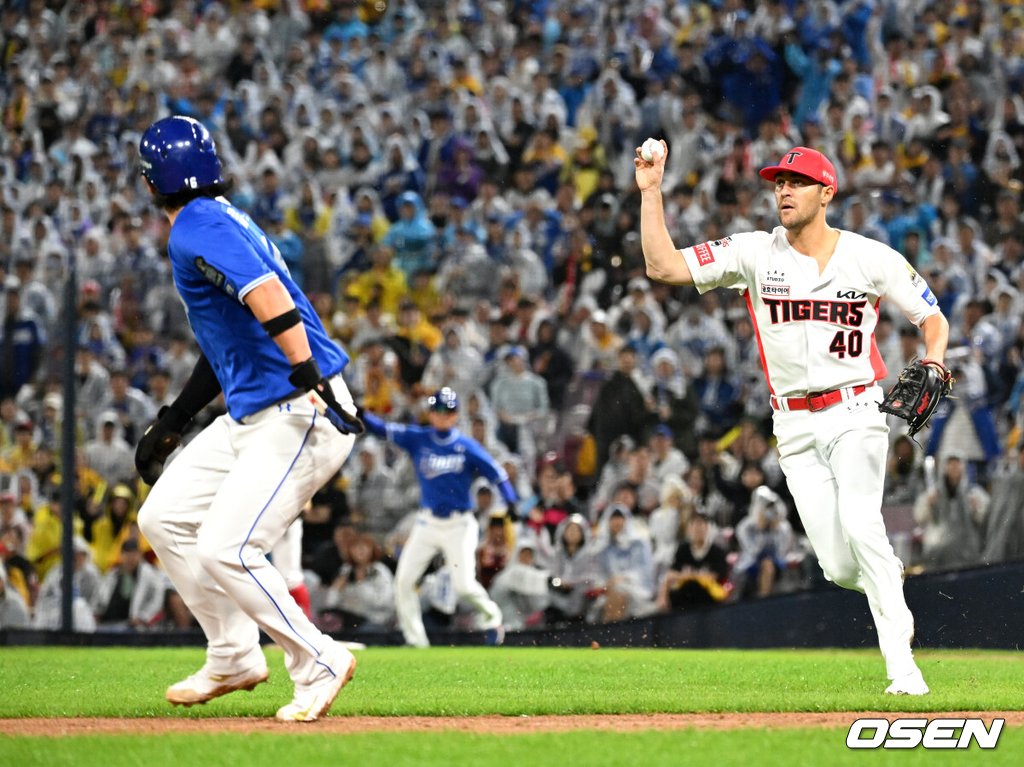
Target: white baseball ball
651	150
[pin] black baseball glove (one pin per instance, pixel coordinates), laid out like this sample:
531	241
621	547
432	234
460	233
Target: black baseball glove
917	393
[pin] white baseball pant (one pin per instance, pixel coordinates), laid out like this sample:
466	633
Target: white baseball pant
221	505
834	462
287	555
456	537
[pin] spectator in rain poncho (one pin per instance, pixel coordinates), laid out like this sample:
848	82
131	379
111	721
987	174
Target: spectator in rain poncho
1004	522
133	593
522	588
310	218
667	461
468	271
1002	161
462	177
765	540
624	568
953	516
645	338
573	565
363	593
477	406
455	364
109	455
611	108
412	236
926	113
699	568
524	262
14	612
669	518
490	155
87	583
551	362
134	408
520	400
397	171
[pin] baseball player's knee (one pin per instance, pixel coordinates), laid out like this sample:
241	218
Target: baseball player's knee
405	580
845	574
464	585
214	555
149	524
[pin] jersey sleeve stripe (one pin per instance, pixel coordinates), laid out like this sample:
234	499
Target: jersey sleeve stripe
254	284
389	431
760	346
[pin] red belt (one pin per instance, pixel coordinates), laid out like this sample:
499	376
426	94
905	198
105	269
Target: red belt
816	401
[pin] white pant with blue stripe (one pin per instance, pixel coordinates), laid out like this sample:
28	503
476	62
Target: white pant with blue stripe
221	505
456	537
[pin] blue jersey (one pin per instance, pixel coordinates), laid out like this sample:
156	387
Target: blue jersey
446	464
217	256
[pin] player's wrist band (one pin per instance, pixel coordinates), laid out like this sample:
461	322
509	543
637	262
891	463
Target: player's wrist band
174	418
305	375
938	364
282	322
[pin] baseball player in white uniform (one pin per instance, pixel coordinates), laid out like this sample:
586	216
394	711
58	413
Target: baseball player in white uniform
813	295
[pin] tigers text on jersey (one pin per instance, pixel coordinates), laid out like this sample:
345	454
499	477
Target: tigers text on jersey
815	332
446	465
217	256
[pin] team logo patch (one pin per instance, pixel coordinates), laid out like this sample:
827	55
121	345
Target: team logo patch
774	290
704	254
723	243
915	279
928	296
210	272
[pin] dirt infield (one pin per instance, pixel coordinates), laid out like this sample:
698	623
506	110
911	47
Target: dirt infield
498	725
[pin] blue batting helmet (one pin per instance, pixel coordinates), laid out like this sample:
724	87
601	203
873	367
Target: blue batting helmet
178	153
443	401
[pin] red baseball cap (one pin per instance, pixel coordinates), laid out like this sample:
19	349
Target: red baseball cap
807	162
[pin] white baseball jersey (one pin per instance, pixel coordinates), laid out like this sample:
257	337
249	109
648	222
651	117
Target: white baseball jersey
815	332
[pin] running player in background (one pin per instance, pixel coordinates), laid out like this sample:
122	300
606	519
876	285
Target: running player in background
229	496
446	462
813	293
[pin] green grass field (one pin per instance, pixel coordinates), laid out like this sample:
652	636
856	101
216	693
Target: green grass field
83	682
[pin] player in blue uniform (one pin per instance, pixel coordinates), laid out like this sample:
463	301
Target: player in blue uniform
446	462
229	496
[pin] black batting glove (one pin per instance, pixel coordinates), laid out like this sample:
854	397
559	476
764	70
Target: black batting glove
160	440
306	376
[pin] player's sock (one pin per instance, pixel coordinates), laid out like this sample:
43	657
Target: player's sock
301	596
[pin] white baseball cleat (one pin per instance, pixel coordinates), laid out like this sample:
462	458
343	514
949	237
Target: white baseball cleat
310	704
204	685
910	684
